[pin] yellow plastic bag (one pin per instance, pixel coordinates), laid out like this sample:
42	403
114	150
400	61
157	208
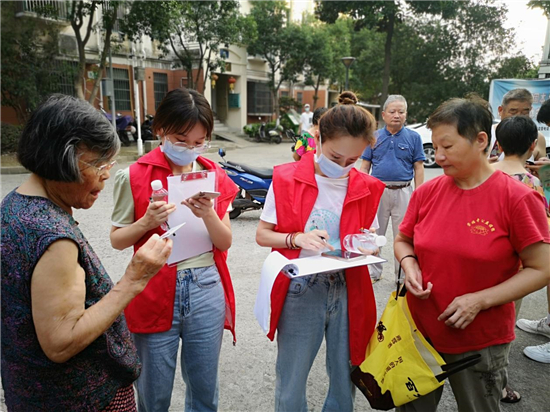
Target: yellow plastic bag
400	365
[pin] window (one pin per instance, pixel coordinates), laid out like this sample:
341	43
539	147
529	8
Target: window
121	85
161	87
300	97
259	99
284	93
65	73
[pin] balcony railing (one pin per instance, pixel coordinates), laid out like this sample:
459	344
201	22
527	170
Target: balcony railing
46	8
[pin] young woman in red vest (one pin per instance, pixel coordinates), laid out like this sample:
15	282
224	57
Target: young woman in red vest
194	300
311	205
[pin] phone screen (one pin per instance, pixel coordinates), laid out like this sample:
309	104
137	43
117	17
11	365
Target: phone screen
343	255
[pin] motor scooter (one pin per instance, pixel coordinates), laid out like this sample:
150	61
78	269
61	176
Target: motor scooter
271	135
123	126
253	183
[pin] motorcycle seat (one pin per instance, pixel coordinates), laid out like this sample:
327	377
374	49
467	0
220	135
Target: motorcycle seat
261	172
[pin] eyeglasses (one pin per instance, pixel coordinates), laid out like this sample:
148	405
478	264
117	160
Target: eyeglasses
100	170
182	146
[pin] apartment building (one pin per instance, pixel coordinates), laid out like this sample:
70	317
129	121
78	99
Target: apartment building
238	96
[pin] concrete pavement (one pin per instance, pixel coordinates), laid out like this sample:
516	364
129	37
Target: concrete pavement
247	370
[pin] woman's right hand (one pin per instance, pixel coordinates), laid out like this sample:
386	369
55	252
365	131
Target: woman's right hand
157	213
314	240
147	261
413	279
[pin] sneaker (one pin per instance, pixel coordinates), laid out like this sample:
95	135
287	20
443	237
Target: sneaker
540	353
539	327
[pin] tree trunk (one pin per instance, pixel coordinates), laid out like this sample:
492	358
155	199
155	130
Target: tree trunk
79	82
103	59
316	95
387	62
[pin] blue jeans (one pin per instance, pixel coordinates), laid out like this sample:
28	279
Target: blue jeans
199	314
315	306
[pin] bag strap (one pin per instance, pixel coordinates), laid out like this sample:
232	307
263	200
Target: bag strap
401	289
452	368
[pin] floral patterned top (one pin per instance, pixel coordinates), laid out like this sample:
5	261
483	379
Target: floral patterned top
89	380
534	183
304	144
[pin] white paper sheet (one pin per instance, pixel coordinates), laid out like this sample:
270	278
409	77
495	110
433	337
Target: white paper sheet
193	239
276	263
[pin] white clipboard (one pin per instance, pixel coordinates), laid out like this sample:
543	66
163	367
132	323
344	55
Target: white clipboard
193	239
293	268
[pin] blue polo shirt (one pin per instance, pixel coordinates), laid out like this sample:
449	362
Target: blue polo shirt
394	155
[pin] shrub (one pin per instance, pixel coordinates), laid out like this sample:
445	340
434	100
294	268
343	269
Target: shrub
10	137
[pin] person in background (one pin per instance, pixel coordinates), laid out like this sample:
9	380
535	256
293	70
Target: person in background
306	120
539	353
192	300
332	199
516	102
396	159
461	256
65	343
306	141
517	138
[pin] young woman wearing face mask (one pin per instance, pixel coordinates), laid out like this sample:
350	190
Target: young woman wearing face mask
194	300
310	207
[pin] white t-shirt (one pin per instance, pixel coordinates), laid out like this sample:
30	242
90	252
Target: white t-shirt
326	211
306	120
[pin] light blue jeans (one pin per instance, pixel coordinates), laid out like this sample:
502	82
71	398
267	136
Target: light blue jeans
199	314
316	306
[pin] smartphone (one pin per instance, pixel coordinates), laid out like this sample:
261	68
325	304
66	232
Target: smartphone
208	195
343	255
530	162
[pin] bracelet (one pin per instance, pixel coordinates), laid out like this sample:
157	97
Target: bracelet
293	240
287	240
408	256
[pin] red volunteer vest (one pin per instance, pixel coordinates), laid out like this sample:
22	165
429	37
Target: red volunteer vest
152	310
296	191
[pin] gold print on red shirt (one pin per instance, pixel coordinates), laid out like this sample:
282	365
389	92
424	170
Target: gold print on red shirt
480	227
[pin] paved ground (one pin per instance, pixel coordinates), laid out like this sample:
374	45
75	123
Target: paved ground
247	373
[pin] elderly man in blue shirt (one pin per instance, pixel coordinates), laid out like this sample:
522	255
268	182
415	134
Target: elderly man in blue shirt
396	159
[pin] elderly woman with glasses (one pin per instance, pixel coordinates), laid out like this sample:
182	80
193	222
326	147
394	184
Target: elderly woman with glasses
192	300
65	343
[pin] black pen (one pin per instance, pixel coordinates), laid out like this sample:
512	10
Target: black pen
322	237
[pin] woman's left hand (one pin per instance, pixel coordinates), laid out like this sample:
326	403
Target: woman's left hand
200	207
462	311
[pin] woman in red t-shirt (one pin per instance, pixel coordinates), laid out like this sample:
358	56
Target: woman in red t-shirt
461	255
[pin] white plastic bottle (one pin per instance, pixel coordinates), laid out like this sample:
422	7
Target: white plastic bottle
159	193
368	241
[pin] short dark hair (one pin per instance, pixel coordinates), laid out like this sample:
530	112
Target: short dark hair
58	132
347	118
180	110
317	115
543	115
516	134
469	116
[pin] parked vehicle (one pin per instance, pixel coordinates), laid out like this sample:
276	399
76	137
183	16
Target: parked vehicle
292	136
253	183
123	126
146	128
272	135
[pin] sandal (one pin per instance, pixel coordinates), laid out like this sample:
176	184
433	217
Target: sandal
510	396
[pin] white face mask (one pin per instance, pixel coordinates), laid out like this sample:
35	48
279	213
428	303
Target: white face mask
307	109
328	167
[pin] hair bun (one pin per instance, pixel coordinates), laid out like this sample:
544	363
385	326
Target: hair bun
347	97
